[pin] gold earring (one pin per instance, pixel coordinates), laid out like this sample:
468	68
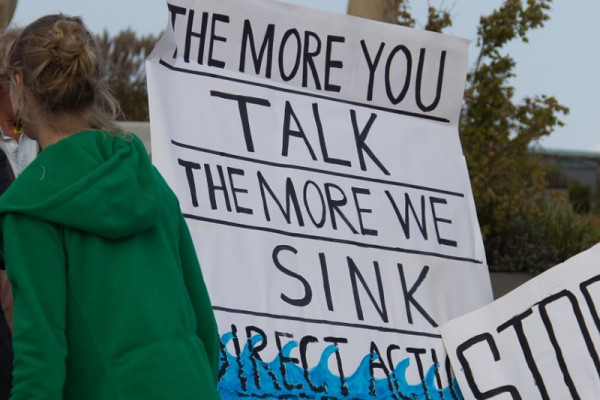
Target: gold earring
18	126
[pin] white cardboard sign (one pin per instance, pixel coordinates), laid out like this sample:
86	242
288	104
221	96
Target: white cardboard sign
317	161
540	341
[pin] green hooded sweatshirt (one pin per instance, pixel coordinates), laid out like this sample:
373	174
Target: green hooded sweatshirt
109	298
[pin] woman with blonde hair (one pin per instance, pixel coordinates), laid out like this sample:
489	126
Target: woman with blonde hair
109	299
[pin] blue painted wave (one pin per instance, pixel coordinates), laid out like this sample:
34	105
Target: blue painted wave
248	376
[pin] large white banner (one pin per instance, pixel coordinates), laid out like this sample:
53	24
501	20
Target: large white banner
317	161
540	341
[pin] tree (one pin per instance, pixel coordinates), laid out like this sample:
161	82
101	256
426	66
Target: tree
124	57
516	215
496	133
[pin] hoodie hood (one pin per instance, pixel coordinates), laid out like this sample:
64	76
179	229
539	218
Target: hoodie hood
91	181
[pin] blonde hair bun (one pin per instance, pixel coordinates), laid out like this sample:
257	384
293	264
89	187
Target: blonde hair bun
58	60
69	46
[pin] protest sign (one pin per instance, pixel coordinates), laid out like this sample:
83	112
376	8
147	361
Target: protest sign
316	158
540	341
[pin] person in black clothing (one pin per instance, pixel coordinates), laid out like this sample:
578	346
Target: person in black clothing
6	353
15	154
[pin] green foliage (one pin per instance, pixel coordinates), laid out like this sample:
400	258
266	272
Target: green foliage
556	179
496	133
533	242
403	15
580	197
596	202
436	19
567	231
124	57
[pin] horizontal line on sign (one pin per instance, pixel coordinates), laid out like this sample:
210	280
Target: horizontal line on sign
330	239
302	93
309	169
324	322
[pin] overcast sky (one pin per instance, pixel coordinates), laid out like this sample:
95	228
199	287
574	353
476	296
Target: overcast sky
562	59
